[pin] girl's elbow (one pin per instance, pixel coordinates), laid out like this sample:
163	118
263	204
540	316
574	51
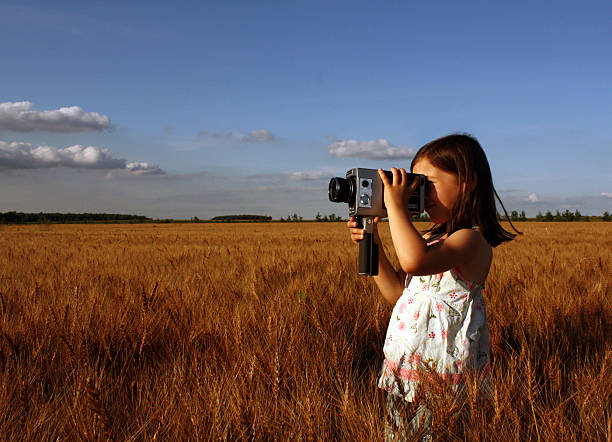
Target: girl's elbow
409	266
412	263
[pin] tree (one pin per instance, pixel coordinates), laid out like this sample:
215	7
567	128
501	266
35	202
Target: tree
548	216
539	216
522	216
514	216
606	216
318	217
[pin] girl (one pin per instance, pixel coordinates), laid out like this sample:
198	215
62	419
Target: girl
439	320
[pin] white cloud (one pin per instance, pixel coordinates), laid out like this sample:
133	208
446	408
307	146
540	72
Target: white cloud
21	117
258	136
142	168
19	155
380	149
606	194
533	198
254	136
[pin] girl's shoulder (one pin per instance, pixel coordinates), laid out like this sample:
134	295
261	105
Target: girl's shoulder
465	232
481	254
472	239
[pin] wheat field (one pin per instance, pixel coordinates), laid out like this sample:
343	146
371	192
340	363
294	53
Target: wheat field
267	332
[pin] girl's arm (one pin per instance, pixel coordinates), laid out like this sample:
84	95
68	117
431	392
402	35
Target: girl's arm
389	281
415	257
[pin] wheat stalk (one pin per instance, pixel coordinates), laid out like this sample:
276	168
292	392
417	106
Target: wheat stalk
496	407
94	403
276	379
14	347
531	394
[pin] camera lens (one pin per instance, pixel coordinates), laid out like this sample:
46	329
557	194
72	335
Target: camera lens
341	190
365	183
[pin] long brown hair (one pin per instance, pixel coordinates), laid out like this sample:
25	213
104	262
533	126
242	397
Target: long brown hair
462	155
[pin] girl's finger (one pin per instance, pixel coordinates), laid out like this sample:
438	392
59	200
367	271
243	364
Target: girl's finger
404	178
383	177
396	175
352	222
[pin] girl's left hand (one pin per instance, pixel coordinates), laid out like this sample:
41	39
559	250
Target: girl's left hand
397	193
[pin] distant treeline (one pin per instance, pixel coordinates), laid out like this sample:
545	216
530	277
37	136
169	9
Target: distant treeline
251	218
566	215
25	218
42	218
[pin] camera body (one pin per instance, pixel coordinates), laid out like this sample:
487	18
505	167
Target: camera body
363	190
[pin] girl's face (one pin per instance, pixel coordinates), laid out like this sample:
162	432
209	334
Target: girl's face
441	192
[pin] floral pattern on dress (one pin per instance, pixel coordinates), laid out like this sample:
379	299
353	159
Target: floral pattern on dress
439	320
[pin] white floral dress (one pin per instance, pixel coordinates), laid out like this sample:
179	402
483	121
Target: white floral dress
440	321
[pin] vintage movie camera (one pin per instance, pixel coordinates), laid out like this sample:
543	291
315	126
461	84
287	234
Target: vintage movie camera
363	190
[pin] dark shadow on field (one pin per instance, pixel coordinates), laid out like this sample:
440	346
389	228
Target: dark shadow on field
584	334
557	351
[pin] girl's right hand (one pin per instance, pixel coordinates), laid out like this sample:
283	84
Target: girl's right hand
357	233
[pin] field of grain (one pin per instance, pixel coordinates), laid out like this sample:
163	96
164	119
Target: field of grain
265	331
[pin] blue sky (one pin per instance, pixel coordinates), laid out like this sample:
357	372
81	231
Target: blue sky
208	108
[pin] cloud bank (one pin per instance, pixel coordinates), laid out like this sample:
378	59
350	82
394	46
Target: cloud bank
380	149
254	136
22	117
19	155
309	175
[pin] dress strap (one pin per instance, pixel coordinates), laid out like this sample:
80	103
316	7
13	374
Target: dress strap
407	280
437	239
470	284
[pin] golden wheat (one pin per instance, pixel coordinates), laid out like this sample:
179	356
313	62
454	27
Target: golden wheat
265	331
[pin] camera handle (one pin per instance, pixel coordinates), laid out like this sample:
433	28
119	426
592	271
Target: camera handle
368	249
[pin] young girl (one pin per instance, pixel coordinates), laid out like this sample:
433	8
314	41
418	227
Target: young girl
439	320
